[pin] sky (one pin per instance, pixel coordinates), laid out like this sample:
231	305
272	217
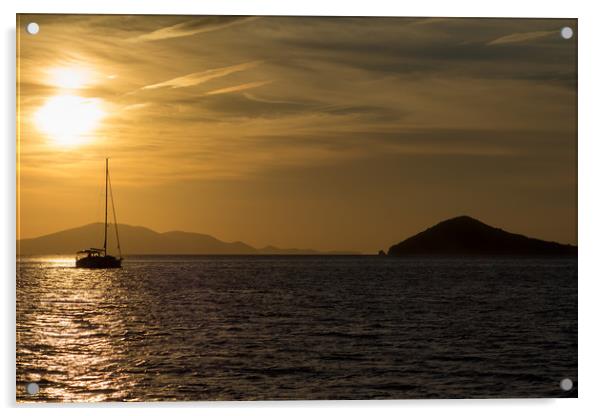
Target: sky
308	132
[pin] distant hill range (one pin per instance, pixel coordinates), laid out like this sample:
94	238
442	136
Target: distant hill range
466	236
141	240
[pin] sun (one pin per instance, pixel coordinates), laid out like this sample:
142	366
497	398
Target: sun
69	120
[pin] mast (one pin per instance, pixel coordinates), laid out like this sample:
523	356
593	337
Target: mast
106	201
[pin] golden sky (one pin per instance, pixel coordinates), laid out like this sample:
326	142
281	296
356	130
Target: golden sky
324	133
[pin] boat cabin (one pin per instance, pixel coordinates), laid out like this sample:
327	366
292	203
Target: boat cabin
91	252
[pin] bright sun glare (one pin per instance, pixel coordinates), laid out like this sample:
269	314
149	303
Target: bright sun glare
67	118
69	77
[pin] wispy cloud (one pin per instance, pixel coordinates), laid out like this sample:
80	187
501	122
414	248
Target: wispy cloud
193	27
241	87
429	20
521	37
197	78
136	106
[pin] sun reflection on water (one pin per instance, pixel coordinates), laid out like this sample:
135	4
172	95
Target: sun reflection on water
70	332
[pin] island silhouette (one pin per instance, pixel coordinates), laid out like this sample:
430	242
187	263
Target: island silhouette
459	236
142	240
466	236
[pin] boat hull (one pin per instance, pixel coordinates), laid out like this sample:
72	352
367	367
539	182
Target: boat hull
98	262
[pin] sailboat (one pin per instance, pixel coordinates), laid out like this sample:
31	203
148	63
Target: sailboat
97	258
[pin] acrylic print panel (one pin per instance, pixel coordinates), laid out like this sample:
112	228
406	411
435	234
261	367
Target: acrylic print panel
269	208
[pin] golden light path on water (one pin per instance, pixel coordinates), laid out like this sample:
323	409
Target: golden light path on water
71	332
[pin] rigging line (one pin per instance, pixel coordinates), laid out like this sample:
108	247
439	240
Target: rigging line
105	246
99	209
114	216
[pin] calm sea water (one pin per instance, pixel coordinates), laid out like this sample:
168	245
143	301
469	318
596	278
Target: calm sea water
317	327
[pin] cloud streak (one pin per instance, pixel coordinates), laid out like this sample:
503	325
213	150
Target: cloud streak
237	88
521	37
193	27
197	78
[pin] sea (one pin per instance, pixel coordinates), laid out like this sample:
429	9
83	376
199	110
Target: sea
204	328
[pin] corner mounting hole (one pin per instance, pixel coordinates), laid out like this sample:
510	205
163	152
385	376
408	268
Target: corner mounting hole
566	32
32	28
33	388
566	384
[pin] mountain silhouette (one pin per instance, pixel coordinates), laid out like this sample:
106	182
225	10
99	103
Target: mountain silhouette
467	236
141	240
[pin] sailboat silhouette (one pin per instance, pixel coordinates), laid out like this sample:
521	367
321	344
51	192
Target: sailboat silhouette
97	258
